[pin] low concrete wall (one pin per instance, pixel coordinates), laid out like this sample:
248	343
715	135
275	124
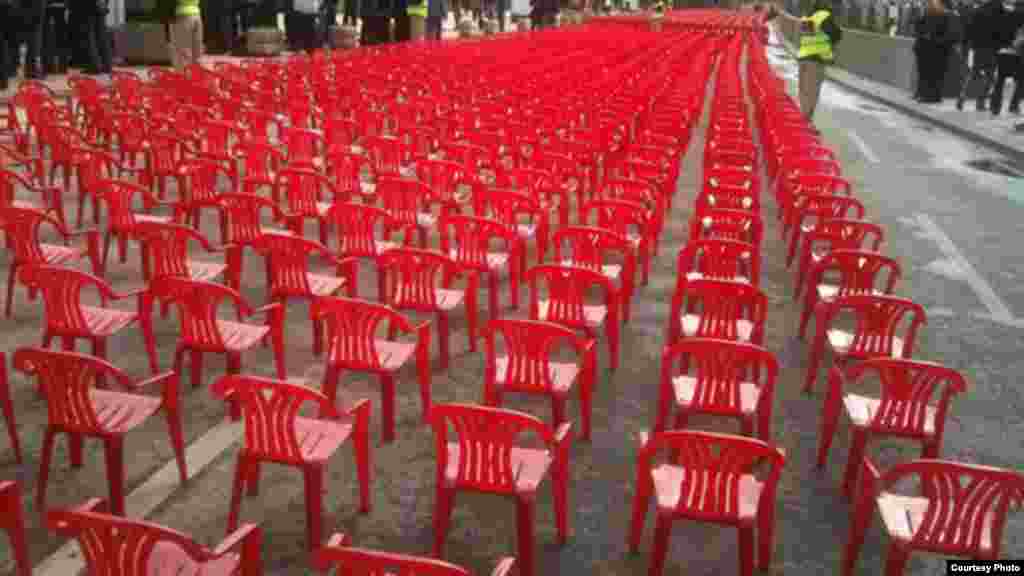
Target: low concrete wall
885	59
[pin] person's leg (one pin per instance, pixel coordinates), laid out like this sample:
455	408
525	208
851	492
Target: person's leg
49	53
1002	73
403	29
804	83
103	48
64	35
196	38
5	30
36	20
1018	87
93	64
818	78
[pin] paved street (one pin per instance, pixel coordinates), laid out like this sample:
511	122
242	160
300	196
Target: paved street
955	229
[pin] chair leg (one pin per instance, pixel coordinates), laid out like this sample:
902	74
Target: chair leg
746	540
829	424
640	500
443	503
314	477
44	469
177	441
587	404
11	279
662	531
766	535
197	367
810	299
524	536
858	444
253	478
361	447
442	335
241	475
8	409
560	493
17	535
896	560
75	445
387	393
114	455
472	309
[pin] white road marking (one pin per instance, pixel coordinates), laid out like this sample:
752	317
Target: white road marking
865	150
1007	322
998	310
152	493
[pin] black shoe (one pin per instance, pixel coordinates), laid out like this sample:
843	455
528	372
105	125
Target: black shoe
1014	110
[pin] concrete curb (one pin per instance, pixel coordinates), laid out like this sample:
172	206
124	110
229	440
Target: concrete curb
975	137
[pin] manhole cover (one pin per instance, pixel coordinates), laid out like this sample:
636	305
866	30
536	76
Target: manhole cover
994	166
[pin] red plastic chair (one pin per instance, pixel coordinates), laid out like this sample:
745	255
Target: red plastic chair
11	182
276	433
851	272
353	345
243	216
119	196
530	364
385	153
408	204
468	241
115	545
339	553
718	260
412	283
511	208
812	209
305	147
165	159
486	458
261	163
731	379
96	166
642	193
166	247
14	525
835	234
588	246
22	228
567	287
303	190
800	183
202	190
69	319
288	263
710	480
80	405
877	320
913	404
960	512
630	220
444	178
730	310
727	224
351	174
357	227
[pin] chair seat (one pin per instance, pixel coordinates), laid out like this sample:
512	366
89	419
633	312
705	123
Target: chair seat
841	340
238	336
902	517
319	439
691	276
862	409
691	322
167	558
106	321
205	271
323	285
562	375
56	254
529	466
668	486
119	412
686	387
593	315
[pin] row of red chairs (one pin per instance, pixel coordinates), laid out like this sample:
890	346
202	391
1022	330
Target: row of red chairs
960	508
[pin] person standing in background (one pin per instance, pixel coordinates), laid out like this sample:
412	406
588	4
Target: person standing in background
328	22
302	25
348	17
818	34
437	13
186	44
97	37
57	34
934	39
1010	66
34	18
982	42
8	42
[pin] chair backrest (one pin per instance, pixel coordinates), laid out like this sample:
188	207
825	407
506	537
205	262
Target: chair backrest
729	225
567	288
723	303
817	183
166	246
198	303
860	272
357	228
21	226
303	188
529	347
825	206
441	176
117	545
467	239
243	211
403	199
850	234
619	216
352	327
270	409
878	318
587	246
66	379
712	468
62	295
719	366
413	277
718	259
119	196
260	159
910	389
385	152
486	437
363	561
967	505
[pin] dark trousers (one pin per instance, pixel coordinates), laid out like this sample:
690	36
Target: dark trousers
375	31
8	42
1009	67
403	28
97	38
349	13
982	69
57	33
932	61
304	32
434	27
34	19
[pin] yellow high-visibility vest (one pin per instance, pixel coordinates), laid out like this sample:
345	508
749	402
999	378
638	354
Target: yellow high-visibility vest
417	9
817	42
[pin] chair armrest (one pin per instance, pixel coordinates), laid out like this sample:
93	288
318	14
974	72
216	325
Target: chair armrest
562	436
162	379
504	566
276	306
359	410
643	439
123	295
321	556
237	538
